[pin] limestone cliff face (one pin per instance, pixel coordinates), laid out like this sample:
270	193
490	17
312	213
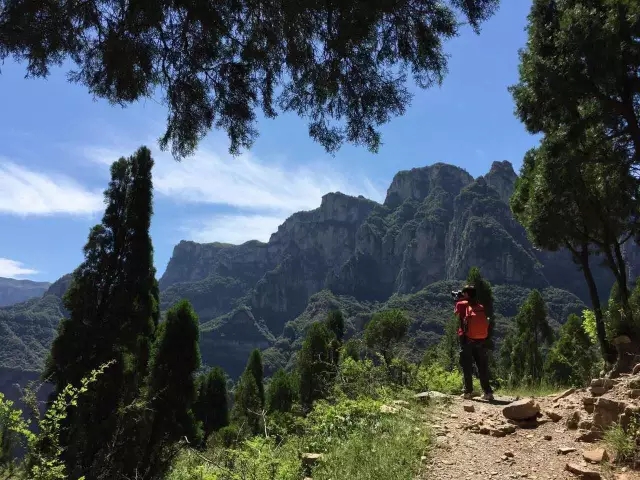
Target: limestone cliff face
484	234
502	177
401	246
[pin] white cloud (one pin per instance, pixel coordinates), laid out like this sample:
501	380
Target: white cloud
234	229
244	181
13	269
25	192
260	195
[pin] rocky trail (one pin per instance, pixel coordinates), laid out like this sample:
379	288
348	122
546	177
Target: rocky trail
552	437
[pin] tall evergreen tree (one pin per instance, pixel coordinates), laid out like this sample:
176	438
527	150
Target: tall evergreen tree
171	387
281	392
335	322
533	330
113	309
254	365
247	406
316	372
212	406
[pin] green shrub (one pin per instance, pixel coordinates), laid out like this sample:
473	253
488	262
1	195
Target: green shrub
388	449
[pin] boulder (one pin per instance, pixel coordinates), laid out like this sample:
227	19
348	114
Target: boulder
607	412
469	408
521	409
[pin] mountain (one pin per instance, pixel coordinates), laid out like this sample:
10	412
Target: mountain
15	291
435	223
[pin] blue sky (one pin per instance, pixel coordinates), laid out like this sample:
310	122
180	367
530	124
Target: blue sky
56	143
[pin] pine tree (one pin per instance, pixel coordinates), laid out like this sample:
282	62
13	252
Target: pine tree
171	385
254	365
212	407
335	322
533	330
316	372
113	309
281	392
247	406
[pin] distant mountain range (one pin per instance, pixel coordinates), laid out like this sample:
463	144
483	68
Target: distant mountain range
350	253
16	291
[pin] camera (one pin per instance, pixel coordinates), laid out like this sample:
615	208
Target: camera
456	294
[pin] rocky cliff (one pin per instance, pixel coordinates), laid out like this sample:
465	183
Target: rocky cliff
15	291
435	224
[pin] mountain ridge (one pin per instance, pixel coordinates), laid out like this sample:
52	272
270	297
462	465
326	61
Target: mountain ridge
359	255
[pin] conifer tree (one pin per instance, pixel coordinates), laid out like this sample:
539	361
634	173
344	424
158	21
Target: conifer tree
254	365
281	392
113	309
247	406
532	331
335	322
316	372
171	386
212	407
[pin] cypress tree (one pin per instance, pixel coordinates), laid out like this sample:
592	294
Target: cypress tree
281	392
254	365
533	329
212	407
113	309
314	364
246	405
171	385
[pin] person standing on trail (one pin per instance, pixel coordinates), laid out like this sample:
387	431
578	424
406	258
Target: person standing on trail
472	334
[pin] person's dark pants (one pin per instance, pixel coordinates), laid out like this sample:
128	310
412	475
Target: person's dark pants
474	351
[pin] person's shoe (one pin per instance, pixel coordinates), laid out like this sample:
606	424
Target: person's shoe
488	397
467	396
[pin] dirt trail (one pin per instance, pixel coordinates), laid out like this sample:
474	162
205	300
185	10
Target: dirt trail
532	453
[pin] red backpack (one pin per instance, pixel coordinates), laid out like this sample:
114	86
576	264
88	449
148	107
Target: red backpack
476	322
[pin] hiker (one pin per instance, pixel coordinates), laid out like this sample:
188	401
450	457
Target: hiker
472	334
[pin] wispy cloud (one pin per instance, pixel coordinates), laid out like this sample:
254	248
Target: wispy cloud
25	192
234	229
13	269
260	195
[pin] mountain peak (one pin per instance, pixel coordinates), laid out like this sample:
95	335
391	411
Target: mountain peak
418	183
502	177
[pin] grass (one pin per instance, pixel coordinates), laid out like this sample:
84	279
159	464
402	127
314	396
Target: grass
623	444
540	390
358	439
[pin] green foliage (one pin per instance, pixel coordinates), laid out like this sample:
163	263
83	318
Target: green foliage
623	443
391	449
281	68
254	365
172	390
360	378
335	322
282	392
572	360
113	311
532	330
44	449
315	367
589	325
579	70
247	407
385	330
211	406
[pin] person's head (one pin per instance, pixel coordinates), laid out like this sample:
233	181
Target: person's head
469	292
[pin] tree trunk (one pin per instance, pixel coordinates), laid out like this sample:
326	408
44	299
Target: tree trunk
582	257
